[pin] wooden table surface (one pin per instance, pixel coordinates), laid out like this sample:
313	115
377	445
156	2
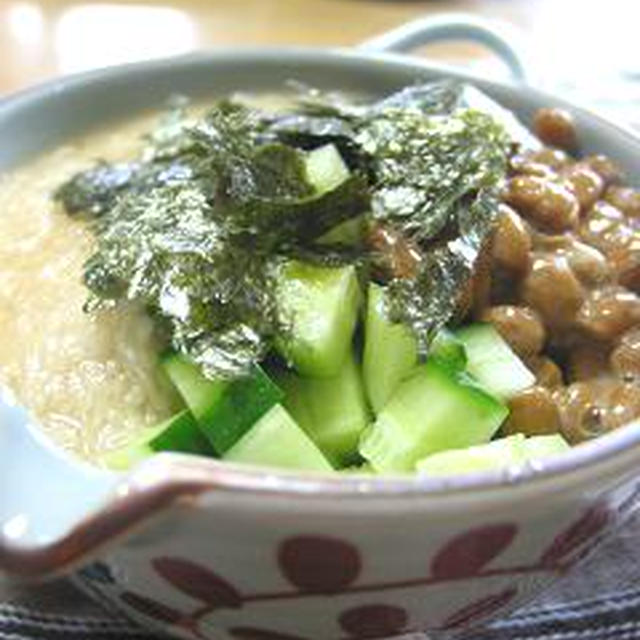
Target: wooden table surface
41	38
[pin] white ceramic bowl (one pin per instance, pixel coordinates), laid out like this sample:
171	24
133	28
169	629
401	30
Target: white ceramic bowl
208	550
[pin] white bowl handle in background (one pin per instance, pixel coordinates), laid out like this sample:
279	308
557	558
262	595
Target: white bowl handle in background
501	38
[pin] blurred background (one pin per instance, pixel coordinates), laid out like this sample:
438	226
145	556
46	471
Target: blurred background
586	49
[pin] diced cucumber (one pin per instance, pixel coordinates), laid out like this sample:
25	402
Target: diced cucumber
225	410
199	393
277	441
350	233
320	305
179	433
491	361
332	411
545	446
498	454
448	351
390	351
429	412
325	168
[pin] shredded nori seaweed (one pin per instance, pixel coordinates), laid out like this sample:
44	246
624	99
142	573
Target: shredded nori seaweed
436	165
196	228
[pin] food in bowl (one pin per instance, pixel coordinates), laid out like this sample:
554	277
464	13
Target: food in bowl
417	283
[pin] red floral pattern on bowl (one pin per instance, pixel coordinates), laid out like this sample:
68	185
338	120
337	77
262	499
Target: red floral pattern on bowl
469	573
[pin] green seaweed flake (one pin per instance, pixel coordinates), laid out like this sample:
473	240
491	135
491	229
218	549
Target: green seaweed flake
436	166
163	249
424	166
196	227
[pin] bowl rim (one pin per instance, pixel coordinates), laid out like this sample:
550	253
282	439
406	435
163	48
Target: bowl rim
592	455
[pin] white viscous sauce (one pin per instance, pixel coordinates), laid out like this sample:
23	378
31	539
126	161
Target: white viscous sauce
91	381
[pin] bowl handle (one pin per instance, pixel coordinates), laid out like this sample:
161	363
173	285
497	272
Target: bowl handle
496	36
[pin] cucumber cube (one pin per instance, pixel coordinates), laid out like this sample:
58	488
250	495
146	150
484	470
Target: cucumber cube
349	233
498	454
539	447
449	351
332	411
225	410
491	361
431	411
390	351
507	452
179	433
326	168
320	306
277	441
